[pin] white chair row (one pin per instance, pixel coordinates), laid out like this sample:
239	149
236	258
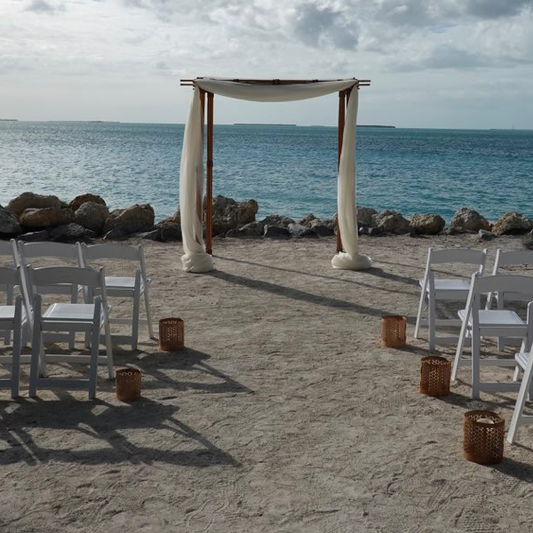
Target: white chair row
129	286
88	318
481	321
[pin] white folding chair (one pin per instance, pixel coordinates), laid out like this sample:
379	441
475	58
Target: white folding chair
9	249
477	322
124	286
524	361
12	319
507	259
63	254
88	318
451	289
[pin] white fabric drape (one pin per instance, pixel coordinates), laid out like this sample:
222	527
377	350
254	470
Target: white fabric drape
195	258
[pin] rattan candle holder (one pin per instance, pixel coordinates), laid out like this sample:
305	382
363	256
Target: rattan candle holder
171	334
483	437
435	374
393	328
128	384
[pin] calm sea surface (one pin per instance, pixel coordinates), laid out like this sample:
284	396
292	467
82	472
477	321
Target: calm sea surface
288	170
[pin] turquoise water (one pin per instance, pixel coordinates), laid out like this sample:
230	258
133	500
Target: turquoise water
288	170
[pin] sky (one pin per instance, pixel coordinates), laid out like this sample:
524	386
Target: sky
433	63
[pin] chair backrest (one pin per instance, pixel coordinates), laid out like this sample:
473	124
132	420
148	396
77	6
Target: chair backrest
514	257
458	255
90	253
9	248
502	284
60	250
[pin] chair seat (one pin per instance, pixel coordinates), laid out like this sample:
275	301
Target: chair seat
461	285
7	312
65	312
495	318
122	283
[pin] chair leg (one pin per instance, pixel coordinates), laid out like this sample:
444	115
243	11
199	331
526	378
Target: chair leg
135	322
431	319
9	301
148	313
109	349
460	348
475	365
35	360
15	360
521	401
419	315
93	370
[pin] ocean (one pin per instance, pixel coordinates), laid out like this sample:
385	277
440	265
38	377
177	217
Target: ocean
289	170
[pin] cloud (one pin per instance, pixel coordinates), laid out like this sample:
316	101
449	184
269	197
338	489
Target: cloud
44	7
491	9
315	26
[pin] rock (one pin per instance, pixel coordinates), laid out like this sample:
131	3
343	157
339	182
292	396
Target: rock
253	229
306	221
92	215
170	232
485	235
297	230
116	235
9	224
426	224
512	223
68	232
46	217
276	232
83	199
376	219
174	219
34	236
323	228
278	220
134	219
528	241
391	222
229	214
370	230
365	214
30	200
154	235
469	220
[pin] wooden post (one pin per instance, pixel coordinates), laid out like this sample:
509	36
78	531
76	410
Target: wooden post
209	182
340	135
199	198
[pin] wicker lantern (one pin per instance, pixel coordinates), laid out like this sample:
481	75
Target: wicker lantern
393	328
171	334
435	374
128	384
483	437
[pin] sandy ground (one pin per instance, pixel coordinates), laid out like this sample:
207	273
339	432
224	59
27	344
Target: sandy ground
284	413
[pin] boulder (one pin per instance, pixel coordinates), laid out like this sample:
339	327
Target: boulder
229	214
297	230
391	222
485	235
426	224
528	241
83	199
154	235
276	232
370	231
46	217
306	221
174	219
365	214
469	220
9	224
30	200
512	223
253	229
323	228
68	232
170	232
92	215
116	235
133	219
278	220
34	236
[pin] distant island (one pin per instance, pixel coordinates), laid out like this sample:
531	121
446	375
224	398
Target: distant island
8	120
261	124
373	126
313	126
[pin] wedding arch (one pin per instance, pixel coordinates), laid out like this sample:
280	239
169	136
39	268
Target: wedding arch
197	255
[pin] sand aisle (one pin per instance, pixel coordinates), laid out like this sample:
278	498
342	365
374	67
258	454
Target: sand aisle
283	415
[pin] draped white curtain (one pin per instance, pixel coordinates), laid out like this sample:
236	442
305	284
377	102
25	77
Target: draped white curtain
195	258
